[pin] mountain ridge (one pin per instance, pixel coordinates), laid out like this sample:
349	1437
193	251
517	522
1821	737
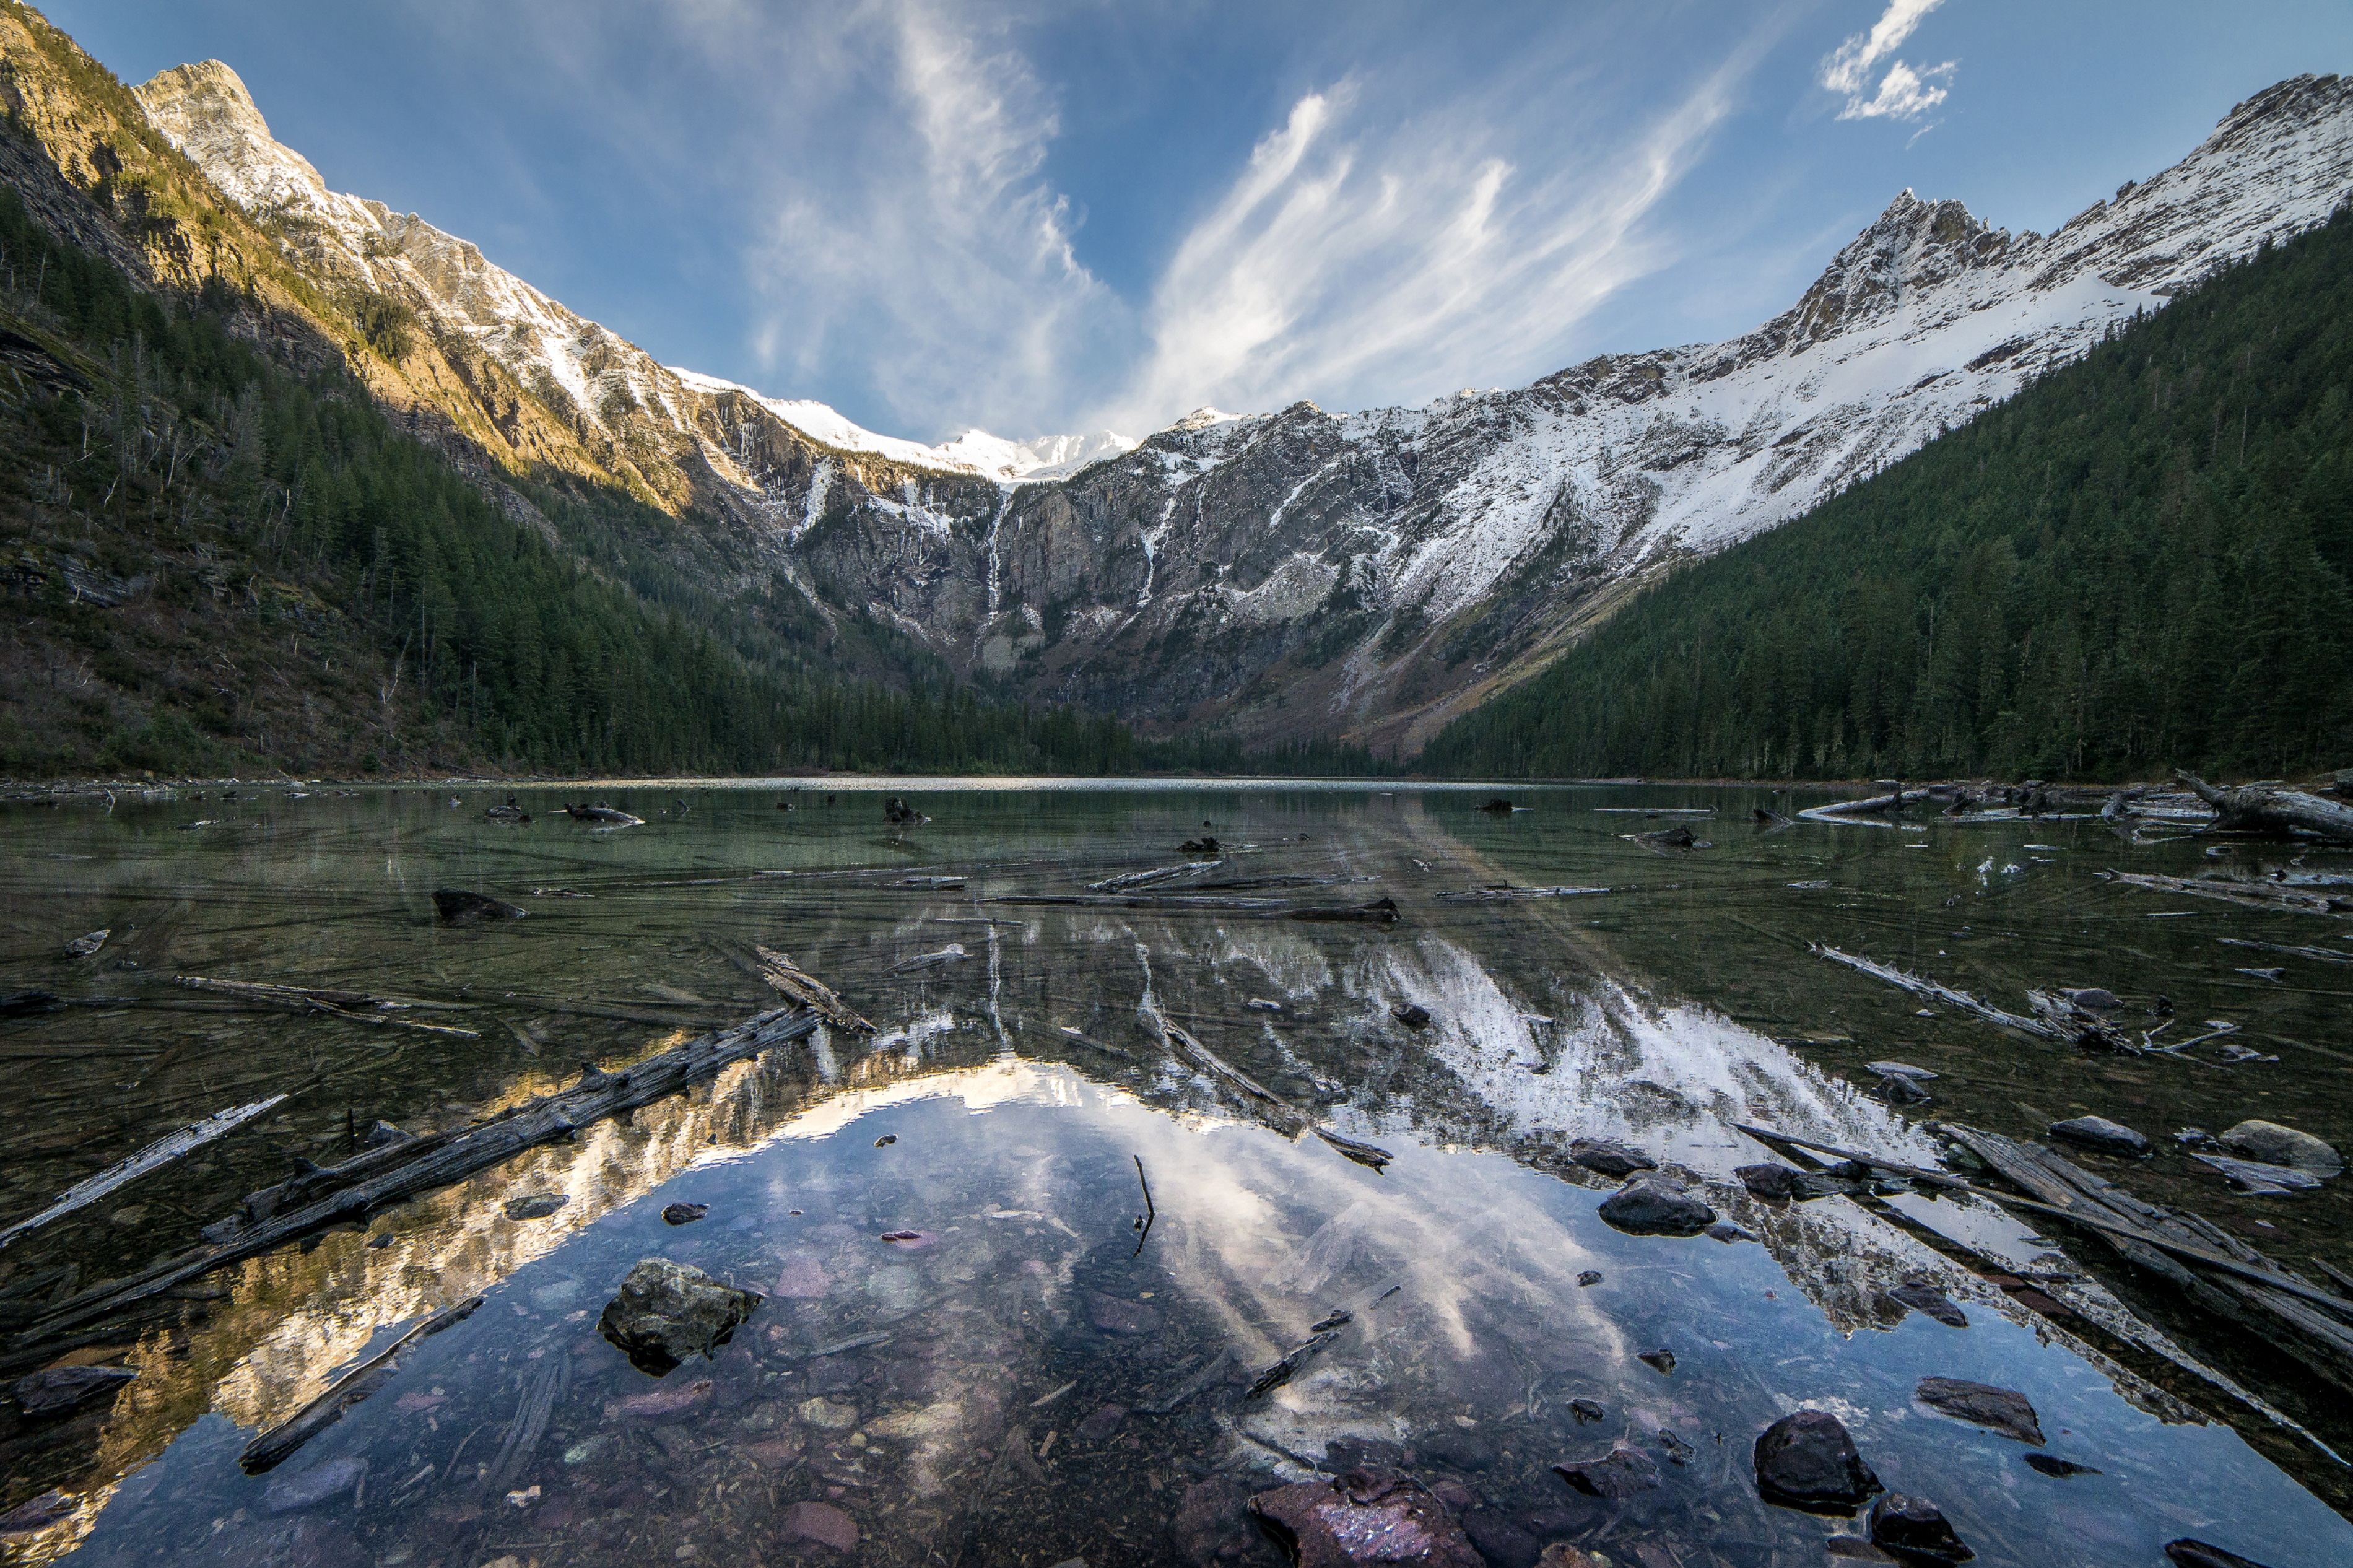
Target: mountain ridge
1364	575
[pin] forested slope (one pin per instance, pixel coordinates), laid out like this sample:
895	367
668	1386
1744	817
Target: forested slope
226	559
2140	561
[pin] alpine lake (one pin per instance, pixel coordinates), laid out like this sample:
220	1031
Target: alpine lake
1029	1270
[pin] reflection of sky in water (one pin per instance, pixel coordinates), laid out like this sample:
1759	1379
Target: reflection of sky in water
1024	1174
1650	1017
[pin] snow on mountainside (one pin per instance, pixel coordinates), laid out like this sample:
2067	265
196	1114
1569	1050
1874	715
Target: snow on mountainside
1301	573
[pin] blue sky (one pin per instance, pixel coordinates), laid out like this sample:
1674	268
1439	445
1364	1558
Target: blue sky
1047	217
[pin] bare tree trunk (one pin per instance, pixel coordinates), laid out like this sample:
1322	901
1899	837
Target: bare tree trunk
2272	809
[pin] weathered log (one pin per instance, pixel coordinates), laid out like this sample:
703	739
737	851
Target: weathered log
1494	895
2246	894
800	986
1920	985
1288	1119
427	1164
326	1003
2319	955
1135	879
161	1153
2272	809
272	1448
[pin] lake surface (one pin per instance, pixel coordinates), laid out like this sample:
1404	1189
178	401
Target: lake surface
1000	1385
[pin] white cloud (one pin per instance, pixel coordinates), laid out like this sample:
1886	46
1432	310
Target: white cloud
1361	260
1904	91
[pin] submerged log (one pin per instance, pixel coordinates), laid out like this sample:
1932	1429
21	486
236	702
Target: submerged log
272	1448
1133	879
1491	894
2246	894
403	1170
800	986
1920	985
357	1006
2272	809
161	1153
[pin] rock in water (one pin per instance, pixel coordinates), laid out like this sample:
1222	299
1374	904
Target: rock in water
1610	1157
1621	1473
1923	1297
2273	1144
62	1388
1806	1461
1212	1521
2001	1409
1913	1529
821	1522
668	1311
684	1214
319	1484
1413	1016
536	1205
39	1513
1653	1206
2058	1468
1367	1516
2188	1553
2097	1132
458	907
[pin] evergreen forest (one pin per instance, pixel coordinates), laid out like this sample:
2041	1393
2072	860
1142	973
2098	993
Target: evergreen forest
2140	561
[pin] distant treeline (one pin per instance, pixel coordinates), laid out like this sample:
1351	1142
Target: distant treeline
490	642
2139	562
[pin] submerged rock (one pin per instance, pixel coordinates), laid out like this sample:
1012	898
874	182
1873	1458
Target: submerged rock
663	1403
2059	1468
1925	1298
1367	1516
60	1389
319	1483
2097	1132
456	906
1117	1315
1915	1529
1660	1361
1621	1473
821	1522
2273	1144
1806	1460
535	1206
1982	1406
37	1513
1413	1016
684	1214
1654	1206
2188	1552
668	1311
1212	1521
1610	1157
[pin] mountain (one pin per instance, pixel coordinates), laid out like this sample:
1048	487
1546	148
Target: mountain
1300	573
2144	561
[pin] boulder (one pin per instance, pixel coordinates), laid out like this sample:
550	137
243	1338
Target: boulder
2097	1132
1621	1473
1654	1206
1367	1516
2273	1144
1806	1461
1610	1157
1914	1529
2001	1409
683	1213
668	1311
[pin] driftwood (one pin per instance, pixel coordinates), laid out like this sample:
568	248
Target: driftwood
530	1423
1381	911
2321	955
272	1448
408	1168
1133	879
1280	1113
2272	809
161	1153
2120	1224
326	1003
2247	894
800	986
1494	895
1920	985
2234	1281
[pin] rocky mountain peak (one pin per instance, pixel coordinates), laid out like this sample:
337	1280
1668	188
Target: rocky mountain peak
1912	246
207	112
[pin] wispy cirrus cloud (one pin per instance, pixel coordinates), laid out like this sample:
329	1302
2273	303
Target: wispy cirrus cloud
1360	259
1904	91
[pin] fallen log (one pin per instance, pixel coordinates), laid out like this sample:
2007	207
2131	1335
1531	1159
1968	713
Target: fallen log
800	986
2118	1225
161	1153
409	1169
1280	1113
1492	894
2246	894
1920	985
2272	809
272	1448
1135	879
327	1004
2321	955
1381	911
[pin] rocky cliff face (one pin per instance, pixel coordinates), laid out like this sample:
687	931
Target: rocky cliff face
1304	573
